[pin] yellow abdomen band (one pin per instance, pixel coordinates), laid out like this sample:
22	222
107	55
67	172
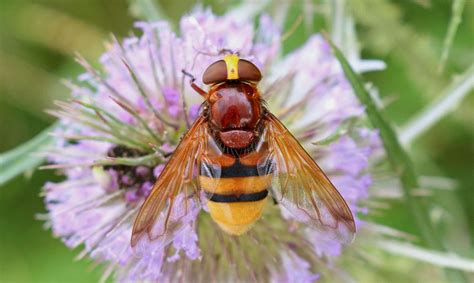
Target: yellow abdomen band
236	218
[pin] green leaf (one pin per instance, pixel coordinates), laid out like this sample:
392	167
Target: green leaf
399	160
24	157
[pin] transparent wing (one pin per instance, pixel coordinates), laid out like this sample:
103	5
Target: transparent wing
300	185
175	197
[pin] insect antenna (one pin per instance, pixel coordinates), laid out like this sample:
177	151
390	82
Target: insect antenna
227	51
192	80
223	51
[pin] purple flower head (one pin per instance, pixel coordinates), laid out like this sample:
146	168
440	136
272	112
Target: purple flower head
128	117
295	269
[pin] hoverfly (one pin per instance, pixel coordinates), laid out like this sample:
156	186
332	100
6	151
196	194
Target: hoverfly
236	153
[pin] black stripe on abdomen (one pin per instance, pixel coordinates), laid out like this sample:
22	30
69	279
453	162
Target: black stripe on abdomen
234	198
235	170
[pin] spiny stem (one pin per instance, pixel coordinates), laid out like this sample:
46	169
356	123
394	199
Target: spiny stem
399	159
148	160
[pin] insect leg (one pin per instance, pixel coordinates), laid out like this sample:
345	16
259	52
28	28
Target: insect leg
272	193
167	154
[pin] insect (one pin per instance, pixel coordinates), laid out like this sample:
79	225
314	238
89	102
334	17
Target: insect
237	153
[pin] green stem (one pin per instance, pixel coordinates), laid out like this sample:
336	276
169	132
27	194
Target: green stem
399	160
456	16
148	160
439	108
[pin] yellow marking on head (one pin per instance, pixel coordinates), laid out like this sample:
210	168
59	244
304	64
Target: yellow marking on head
232	63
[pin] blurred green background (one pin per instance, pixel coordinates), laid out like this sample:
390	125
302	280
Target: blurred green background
40	37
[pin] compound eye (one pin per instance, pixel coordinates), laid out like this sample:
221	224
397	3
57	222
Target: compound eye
215	73
248	71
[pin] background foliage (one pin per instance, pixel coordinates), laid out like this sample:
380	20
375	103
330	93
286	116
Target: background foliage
40	37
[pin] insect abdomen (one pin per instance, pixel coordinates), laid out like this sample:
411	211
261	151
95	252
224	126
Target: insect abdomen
237	197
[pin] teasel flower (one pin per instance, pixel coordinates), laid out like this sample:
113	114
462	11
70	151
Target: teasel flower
124	120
